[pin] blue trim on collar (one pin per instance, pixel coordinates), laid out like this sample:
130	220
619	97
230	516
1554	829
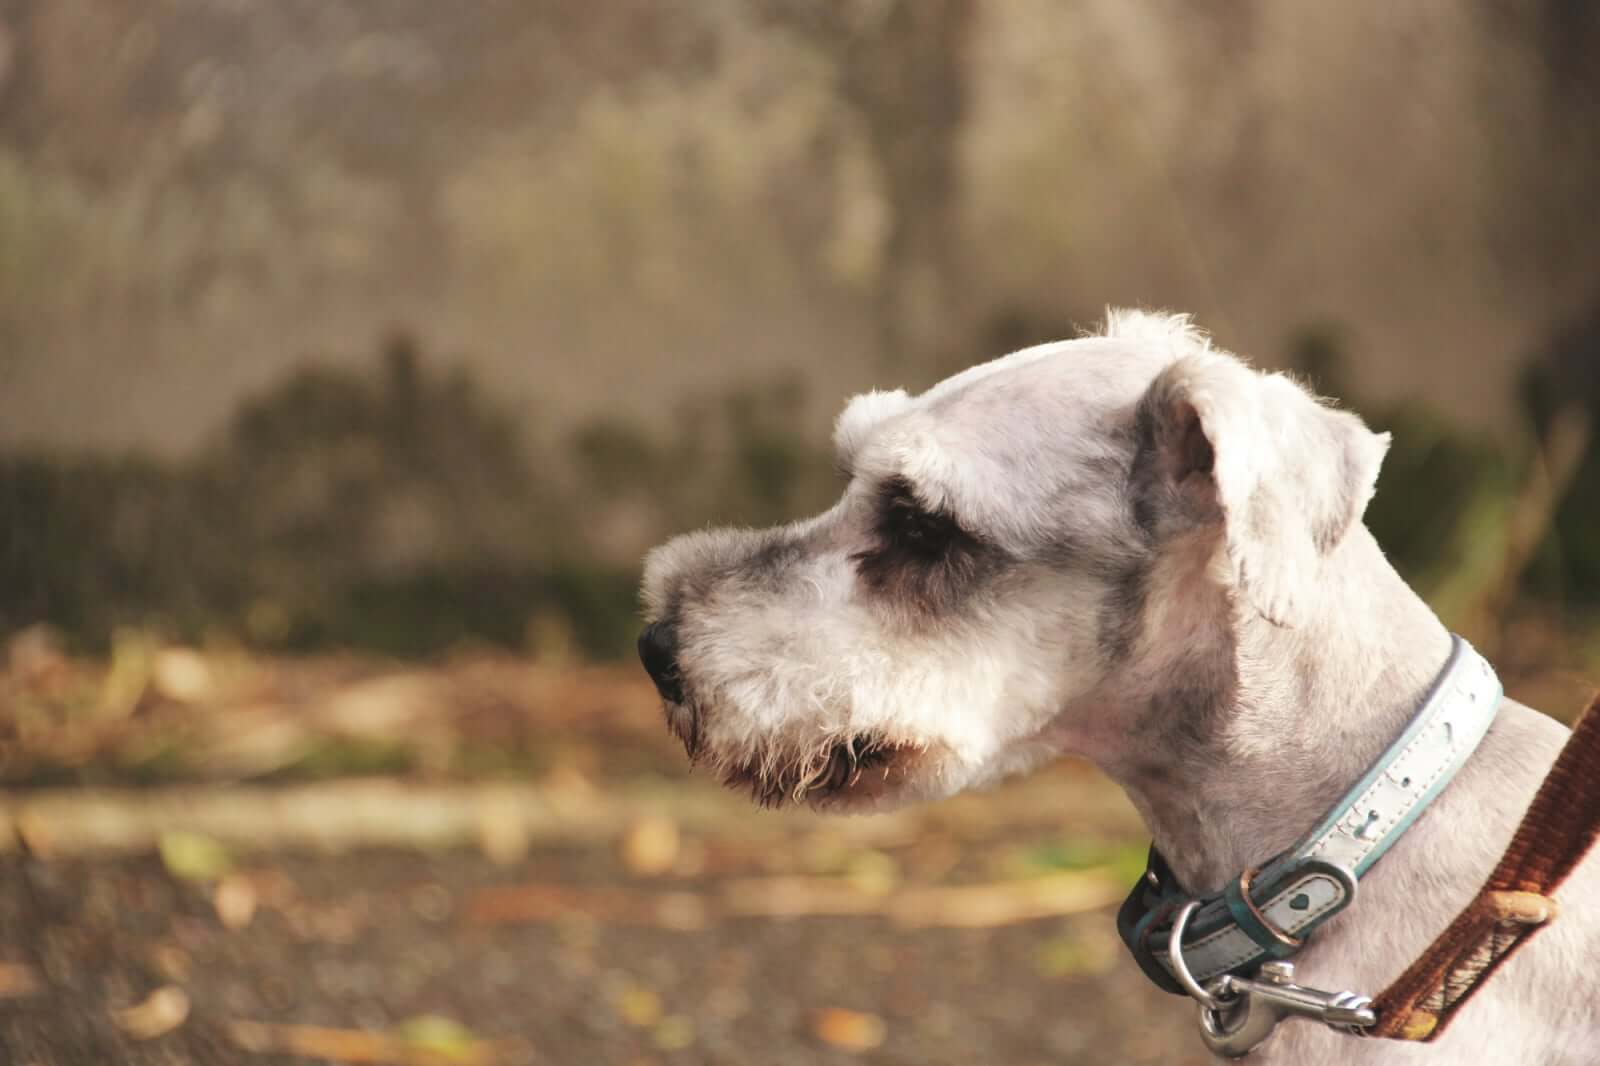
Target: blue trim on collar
1301	889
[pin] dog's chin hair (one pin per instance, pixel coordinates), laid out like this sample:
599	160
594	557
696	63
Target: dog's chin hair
683	722
778	775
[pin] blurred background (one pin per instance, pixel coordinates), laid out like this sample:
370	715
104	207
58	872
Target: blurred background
351	355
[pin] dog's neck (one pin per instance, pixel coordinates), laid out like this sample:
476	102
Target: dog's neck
1258	729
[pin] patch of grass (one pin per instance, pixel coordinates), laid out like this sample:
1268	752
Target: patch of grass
351	758
1124	859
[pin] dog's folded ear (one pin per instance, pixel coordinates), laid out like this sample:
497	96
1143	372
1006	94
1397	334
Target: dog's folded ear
1277	474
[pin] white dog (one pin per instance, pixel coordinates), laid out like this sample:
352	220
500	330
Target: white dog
1133	548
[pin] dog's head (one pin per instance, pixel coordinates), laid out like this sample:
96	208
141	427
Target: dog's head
1023	558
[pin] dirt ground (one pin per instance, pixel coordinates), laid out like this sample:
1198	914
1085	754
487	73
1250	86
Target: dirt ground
207	858
213	859
385	943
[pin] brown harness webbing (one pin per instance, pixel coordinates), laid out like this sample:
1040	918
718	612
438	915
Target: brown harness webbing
1515	903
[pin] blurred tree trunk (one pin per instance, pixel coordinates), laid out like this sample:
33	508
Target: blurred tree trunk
16	80
1558	172
902	70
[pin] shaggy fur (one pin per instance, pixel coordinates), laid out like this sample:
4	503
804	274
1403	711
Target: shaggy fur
1134	548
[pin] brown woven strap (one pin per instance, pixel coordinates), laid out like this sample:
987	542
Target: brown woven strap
1514	904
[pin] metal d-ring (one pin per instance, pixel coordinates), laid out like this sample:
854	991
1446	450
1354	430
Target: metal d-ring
1180	969
1293	943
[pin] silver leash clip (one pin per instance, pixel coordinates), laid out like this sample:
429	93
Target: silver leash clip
1238	1013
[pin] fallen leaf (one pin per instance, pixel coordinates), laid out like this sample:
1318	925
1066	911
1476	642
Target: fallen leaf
872	872
569	791
18	981
257	1038
442	1036
502	828
235	901
650	846
160	1013
129	674
673	1033
193	856
181	675
381	707
458	1047
849	1030
170	961
251	739
637	1004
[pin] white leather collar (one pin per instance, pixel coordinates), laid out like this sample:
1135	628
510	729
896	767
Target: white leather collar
1269	915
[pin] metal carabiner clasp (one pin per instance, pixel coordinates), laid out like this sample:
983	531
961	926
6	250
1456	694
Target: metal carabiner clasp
1238	1025
1251	1009
1237	1013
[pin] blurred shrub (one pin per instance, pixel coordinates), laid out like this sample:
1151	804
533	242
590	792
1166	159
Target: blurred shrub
341	507
91	544
377	474
1562	386
1443	509
1452	504
433	610
1444	500
401	510
398	511
742	457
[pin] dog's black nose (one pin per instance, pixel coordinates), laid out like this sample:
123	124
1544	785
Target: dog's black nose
658	650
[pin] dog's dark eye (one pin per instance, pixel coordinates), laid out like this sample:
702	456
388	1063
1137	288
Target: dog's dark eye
907	523
921	559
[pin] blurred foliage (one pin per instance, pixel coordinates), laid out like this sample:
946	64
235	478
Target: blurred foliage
794	193
399	511
1443	508
1472	522
1565	381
